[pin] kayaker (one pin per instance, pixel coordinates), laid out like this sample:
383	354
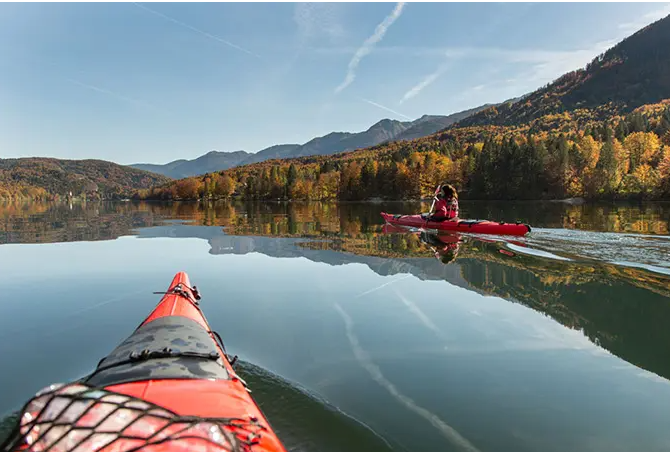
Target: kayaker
446	207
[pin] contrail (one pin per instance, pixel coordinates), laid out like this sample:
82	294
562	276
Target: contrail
369	44
382	286
197	30
76	313
375	372
112	93
428	80
450	53
420	315
385	108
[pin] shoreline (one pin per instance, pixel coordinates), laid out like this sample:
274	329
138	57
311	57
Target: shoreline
566	201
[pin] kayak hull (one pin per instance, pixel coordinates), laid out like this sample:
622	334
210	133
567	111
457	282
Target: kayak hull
459	225
223	395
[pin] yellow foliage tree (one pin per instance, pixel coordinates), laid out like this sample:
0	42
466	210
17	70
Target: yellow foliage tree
645	178
664	170
187	188
301	189
224	186
641	148
328	185
590	150
666	138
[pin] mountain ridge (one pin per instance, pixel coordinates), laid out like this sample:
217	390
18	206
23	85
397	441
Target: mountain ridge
380	132
209	162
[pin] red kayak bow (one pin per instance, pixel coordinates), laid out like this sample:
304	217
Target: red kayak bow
168	387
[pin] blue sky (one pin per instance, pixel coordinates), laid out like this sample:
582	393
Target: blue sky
153	82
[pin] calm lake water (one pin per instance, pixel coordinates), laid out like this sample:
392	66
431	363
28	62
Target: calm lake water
358	337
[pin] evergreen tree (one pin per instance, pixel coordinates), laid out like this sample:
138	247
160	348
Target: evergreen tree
292	174
637	123
621	130
664	123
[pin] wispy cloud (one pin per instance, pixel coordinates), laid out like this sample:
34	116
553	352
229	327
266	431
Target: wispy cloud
538	66
113	94
197	30
369	45
546	66
404	51
318	19
385	108
646	19
313	21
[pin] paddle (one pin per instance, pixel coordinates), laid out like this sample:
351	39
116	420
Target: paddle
437	190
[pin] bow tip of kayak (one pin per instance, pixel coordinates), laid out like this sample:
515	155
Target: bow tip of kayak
181	277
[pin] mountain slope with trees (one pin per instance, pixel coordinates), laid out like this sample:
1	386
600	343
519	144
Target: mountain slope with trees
46	178
630	74
554	157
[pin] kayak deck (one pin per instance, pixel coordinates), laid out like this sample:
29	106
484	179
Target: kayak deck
458	225
220	394
177	381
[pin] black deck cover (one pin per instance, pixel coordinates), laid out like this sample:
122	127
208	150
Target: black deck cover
181	348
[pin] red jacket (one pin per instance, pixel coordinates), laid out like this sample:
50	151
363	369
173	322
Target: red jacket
446	208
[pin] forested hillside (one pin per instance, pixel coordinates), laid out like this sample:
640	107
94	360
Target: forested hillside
44	178
555	156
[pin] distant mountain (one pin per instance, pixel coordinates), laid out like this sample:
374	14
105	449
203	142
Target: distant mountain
332	143
383	131
44	177
428	125
336	142
208	163
635	72
278	151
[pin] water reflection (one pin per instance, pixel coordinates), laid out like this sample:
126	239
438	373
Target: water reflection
445	246
394	329
618	307
27	221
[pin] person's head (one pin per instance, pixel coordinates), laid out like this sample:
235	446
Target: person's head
447	256
448	191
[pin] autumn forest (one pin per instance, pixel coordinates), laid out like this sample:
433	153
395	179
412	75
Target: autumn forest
555	156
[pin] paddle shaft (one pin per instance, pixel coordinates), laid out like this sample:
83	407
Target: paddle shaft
434	199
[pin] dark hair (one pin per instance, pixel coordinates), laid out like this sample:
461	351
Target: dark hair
449	191
449	256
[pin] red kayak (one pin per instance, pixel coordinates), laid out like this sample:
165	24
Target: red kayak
169	387
469	226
